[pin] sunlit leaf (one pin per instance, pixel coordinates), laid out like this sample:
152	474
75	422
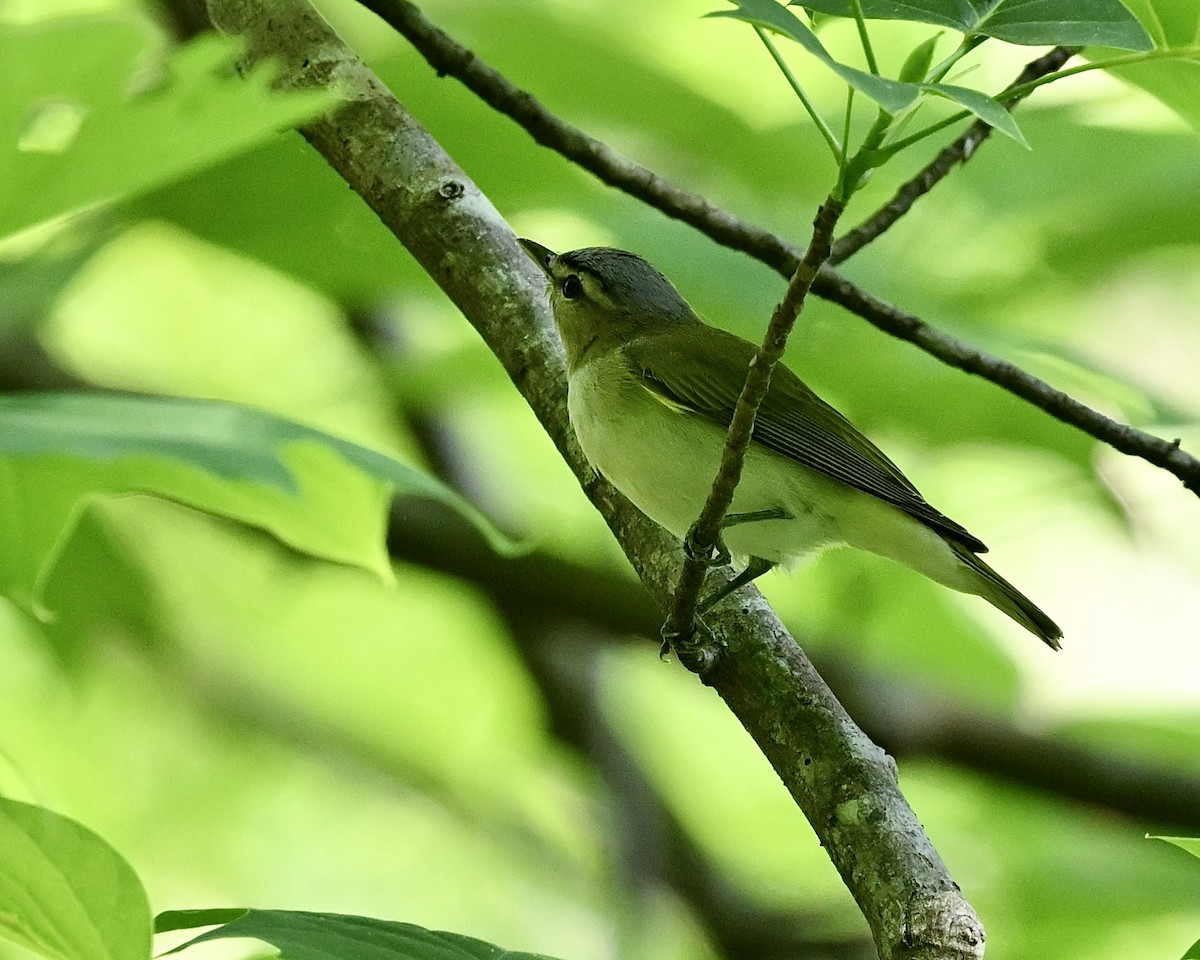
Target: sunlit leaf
83	122
1033	22
320	494
64	892
1176	82
1190	844
299	935
1172	23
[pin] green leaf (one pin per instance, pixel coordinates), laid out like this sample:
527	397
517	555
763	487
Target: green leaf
891	95
320	494
1190	844
982	106
170	920
73	134
299	935
64	892
917	64
1175	82
1032	22
1193	952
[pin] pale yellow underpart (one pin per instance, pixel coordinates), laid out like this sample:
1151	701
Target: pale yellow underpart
664	459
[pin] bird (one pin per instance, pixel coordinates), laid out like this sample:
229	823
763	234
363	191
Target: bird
651	392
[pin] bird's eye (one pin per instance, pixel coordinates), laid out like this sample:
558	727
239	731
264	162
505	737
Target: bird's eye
572	287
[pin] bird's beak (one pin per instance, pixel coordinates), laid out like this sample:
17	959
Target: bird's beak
538	254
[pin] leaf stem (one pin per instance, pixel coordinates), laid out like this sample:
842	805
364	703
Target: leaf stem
861	23
846	126
1162	53
1024	89
837	149
938	73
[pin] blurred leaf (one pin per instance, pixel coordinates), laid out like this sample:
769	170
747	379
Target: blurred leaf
1032	22
75	136
300	935
1190	844
318	493
1175	82
64	892
1172	23
29	284
1193	952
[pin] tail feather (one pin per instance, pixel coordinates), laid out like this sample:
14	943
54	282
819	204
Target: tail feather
1009	600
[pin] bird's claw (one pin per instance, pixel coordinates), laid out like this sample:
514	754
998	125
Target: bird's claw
698	654
715	555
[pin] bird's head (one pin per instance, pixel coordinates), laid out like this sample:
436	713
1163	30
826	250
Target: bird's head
602	297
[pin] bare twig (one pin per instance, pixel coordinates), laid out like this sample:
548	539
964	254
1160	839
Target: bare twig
960	151
845	785
1062	406
705	532
449	57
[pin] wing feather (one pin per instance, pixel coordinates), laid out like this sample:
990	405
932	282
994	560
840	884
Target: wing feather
792	421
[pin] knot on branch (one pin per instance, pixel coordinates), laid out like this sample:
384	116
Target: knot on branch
941	926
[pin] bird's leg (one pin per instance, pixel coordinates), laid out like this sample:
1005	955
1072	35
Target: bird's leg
715	556
754	569
757	565
672	637
772	513
718	555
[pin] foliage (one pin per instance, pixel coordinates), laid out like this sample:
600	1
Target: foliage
68	895
71	125
251	722
319	494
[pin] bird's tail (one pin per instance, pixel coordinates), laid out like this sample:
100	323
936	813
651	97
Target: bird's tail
1009	600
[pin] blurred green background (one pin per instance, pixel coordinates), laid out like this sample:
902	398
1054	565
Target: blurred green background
250	726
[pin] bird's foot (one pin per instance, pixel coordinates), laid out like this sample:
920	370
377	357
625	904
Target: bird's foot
697	646
711	555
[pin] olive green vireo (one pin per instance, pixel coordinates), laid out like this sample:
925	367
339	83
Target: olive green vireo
651	392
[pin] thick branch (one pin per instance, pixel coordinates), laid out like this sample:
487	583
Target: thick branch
449	57
844	783
958	152
705	532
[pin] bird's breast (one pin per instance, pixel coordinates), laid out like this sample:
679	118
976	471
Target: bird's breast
664	457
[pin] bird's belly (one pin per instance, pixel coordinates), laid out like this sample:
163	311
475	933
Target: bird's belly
664	460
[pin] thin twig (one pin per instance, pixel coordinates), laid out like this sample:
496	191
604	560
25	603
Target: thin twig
960	151
705	532
1062	406
449	57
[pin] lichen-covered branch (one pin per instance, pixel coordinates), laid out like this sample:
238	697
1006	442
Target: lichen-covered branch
845	785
